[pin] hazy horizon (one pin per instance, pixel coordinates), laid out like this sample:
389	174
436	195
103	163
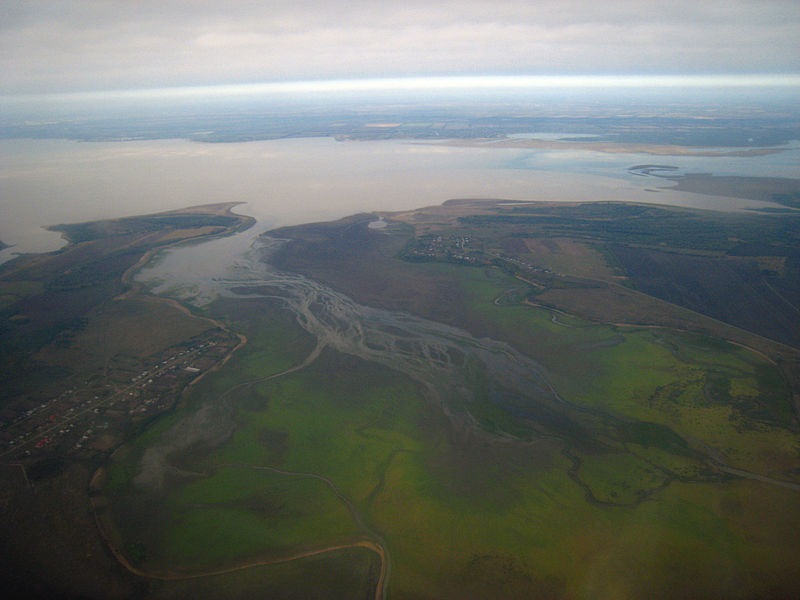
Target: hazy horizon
434	83
72	46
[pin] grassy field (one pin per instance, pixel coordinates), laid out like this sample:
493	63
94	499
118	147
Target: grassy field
723	396
340	574
466	515
621	486
241	514
131	327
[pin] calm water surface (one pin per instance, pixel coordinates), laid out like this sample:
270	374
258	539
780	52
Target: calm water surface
284	182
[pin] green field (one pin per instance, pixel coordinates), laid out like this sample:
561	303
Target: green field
340	574
346	450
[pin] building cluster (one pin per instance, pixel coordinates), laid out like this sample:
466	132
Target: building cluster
450	248
94	417
464	249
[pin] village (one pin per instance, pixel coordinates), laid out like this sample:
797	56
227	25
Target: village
463	248
451	248
96	415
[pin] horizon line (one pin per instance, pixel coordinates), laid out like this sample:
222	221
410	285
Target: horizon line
433	83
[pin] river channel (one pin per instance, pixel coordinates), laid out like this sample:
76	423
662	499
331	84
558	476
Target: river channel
442	358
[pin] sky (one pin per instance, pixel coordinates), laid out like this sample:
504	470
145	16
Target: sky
54	46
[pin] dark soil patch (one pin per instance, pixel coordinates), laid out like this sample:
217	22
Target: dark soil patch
275	442
728	289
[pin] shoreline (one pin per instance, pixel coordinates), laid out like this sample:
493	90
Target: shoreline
603	147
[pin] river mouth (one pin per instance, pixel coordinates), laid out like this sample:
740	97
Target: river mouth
463	376
442	358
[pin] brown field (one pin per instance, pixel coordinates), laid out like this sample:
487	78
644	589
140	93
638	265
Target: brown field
138	326
566	255
731	289
48	540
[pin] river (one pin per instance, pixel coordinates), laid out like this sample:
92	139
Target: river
444	360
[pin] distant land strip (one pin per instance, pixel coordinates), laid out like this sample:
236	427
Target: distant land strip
606	147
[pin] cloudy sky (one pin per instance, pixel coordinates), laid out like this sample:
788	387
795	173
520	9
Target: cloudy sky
76	45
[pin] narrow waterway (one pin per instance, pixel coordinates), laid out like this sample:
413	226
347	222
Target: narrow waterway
444	359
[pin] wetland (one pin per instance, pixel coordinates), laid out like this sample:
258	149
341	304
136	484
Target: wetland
484	413
578	377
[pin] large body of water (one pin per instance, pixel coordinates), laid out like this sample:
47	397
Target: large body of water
284	182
